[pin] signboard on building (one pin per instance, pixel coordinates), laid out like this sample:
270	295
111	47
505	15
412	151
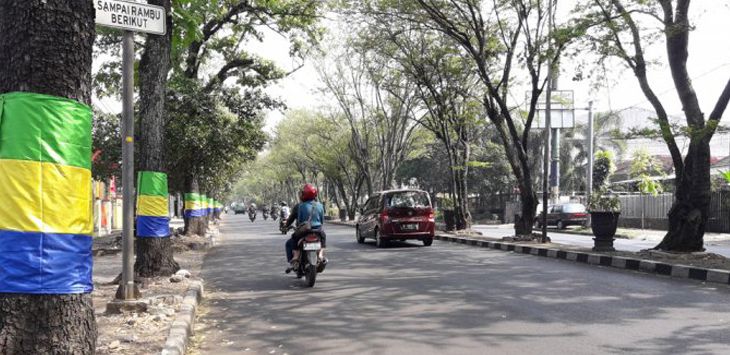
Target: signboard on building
131	16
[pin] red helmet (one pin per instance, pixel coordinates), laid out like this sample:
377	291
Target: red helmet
308	193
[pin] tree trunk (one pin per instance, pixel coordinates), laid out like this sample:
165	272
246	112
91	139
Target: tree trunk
154	255
689	213
46	48
193	224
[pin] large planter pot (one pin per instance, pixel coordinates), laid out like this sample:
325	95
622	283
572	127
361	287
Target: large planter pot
604	226
449	219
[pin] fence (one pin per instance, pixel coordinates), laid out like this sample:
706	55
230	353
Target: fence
650	212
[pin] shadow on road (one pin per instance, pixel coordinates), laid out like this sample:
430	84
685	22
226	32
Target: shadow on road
447	297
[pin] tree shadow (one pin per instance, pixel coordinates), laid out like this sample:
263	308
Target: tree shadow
449	298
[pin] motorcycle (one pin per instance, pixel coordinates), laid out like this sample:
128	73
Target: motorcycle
282	227
252	216
310	263
266	215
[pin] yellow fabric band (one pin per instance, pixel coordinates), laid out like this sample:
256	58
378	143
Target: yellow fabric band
149	205
45	197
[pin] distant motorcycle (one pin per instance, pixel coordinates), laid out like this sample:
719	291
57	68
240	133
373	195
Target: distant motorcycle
266	215
252	215
282	227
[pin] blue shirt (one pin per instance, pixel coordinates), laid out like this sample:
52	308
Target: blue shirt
305	208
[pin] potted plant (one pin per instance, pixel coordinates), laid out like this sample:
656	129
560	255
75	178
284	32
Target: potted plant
604	207
605	210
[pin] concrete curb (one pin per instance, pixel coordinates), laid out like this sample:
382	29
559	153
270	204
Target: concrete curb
182	326
619	262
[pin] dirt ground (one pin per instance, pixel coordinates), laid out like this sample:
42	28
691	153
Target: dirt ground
141	333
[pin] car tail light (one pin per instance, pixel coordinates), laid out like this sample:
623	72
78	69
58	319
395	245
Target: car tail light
311	238
580	214
431	215
384	216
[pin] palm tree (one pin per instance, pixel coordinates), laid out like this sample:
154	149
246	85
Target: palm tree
574	151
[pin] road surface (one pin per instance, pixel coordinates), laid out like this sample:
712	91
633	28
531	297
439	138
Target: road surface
444	299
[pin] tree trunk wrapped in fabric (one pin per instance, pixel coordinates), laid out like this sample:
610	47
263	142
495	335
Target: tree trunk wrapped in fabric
153	244
46	221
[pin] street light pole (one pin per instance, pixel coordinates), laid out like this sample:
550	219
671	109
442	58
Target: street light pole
589	170
548	126
127	287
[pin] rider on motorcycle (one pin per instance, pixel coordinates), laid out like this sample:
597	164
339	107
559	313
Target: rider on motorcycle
284	211
301	213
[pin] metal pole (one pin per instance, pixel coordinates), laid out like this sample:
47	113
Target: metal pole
548	126
589	172
128	166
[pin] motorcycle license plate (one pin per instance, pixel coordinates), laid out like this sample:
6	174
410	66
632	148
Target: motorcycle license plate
409	227
312	246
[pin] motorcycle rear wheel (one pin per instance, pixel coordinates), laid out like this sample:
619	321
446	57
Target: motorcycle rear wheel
310	275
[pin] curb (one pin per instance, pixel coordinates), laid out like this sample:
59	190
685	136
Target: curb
619	262
182	326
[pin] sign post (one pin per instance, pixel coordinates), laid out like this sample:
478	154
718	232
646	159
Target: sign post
130	17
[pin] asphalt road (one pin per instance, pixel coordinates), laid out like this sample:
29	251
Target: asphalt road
721	247
445	299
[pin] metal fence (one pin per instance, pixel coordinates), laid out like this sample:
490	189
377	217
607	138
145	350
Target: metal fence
650	212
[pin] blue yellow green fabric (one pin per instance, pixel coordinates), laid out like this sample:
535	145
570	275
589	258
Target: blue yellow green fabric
193	205
153	219
46	219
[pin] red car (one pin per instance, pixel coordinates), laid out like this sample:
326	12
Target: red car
397	215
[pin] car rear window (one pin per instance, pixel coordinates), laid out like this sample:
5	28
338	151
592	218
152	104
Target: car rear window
412	199
574	208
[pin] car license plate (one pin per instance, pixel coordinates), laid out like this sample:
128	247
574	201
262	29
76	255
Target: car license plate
409	227
312	246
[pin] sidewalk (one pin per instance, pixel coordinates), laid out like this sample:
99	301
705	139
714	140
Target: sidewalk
638	239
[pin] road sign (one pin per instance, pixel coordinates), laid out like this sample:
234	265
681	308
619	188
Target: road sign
131	16
561	109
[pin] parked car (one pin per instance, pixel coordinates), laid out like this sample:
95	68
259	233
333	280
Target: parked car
397	215
563	214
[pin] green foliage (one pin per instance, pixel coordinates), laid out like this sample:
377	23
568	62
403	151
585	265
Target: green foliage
603	167
646	169
106	146
726	176
601	200
211	137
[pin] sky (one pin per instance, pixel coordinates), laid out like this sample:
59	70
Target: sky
709	66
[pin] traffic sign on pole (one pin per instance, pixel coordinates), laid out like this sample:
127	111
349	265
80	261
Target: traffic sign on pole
131	16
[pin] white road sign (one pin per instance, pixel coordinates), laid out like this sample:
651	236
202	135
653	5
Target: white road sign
131	16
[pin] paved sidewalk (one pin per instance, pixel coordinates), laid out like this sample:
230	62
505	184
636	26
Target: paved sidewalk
644	239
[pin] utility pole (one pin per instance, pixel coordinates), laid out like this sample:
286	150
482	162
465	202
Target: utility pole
589	170
555	142
548	94
127	287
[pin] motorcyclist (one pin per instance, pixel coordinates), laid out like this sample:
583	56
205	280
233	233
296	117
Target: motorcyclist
283	211
274	211
252	209
301	213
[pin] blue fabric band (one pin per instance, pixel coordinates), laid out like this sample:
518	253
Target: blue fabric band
45	263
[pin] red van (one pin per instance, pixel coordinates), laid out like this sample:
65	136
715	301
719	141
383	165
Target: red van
396	215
